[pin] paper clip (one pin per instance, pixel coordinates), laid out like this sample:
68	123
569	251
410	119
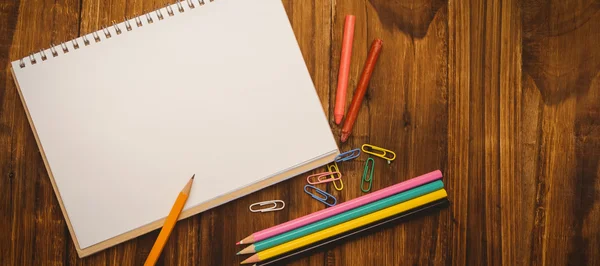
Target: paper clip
323	177
322	193
368	171
334	168
347	156
370	149
269	209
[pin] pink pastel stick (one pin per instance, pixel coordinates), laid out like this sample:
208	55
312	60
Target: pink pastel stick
340	98
322	214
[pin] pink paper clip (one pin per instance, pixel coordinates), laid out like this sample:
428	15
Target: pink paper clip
332	177
323	177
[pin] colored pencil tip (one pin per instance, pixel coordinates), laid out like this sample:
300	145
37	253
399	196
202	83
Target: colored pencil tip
193	176
248	250
237	243
252	259
238	253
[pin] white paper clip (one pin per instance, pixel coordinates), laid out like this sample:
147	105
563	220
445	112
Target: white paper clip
269	209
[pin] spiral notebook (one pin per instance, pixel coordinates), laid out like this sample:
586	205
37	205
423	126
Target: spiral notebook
125	115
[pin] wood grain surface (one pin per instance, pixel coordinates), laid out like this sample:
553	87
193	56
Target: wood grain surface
502	96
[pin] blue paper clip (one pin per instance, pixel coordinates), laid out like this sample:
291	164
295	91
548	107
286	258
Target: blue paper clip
347	156
322	193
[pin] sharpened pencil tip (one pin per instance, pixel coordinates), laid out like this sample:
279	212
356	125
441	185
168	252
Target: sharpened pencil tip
238	253
248	250
252	259
193	176
237	243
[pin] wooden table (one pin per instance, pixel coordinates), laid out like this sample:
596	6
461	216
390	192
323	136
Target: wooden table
502	96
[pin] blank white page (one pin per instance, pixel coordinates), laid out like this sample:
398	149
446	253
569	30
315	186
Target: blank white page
220	91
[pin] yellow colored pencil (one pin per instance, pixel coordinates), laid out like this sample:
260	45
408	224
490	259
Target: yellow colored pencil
167	228
347	226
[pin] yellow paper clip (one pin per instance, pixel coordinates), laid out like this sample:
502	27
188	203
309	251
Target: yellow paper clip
381	152
334	168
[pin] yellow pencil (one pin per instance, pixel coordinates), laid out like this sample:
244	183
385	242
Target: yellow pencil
347	226
167	228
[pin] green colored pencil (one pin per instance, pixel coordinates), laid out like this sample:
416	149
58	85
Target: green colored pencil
343	217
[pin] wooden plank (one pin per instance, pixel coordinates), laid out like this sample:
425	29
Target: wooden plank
459	77
8	102
561	61
408	108
490	121
477	55
513	218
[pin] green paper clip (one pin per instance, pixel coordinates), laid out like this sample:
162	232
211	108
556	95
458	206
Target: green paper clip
365	172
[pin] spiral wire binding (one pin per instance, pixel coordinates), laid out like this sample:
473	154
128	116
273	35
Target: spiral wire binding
169	10
117	29
44	57
180	7
53	50
127	24
106	31
138	22
149	18
64	47
191	4
32	59
96	36
86	42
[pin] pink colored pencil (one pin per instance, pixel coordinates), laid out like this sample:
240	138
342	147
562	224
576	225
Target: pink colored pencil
322	214
340	98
